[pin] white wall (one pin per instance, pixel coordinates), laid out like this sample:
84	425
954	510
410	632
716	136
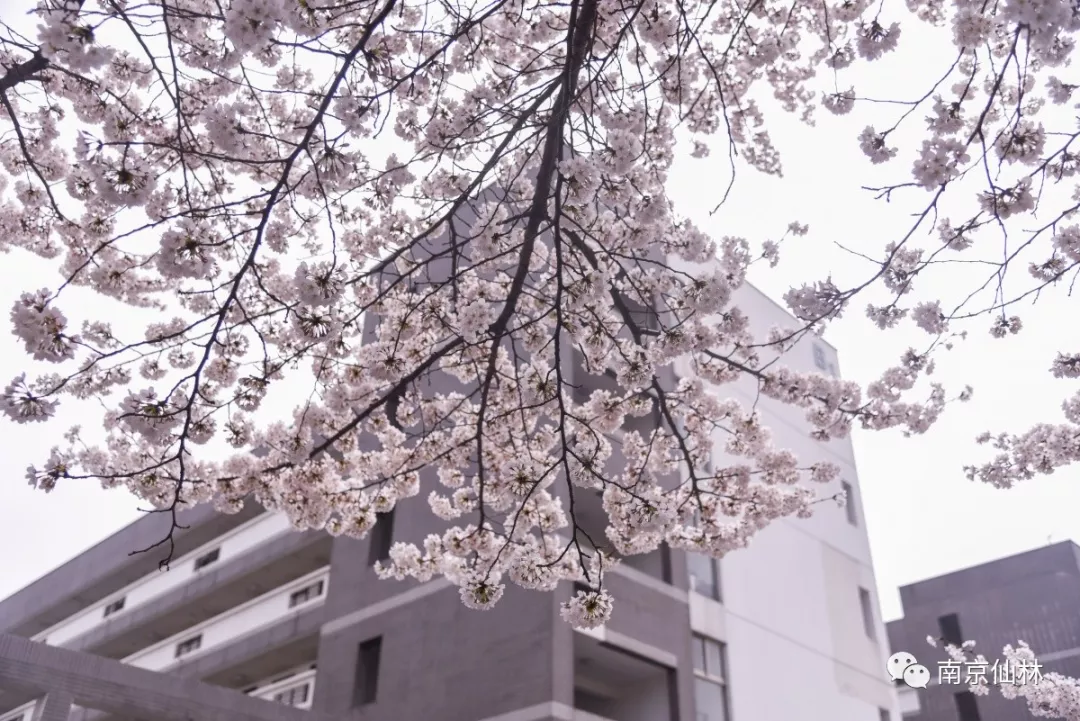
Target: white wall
236	542
790	614
794	631
240	621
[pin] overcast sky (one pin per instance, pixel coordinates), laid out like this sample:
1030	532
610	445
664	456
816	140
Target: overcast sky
924	518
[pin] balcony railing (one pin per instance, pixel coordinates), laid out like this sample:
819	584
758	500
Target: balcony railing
238	541
242	620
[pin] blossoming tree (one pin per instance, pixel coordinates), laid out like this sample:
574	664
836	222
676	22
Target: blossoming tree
371	194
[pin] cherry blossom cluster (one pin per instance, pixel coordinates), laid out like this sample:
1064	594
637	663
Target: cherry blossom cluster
449	223
1046	694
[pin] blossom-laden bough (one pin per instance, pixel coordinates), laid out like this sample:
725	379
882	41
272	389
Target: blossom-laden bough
441	209
1016	674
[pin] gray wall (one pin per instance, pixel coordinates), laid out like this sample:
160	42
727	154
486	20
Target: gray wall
441	660
1032	597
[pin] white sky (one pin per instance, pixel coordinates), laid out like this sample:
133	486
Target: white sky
924	518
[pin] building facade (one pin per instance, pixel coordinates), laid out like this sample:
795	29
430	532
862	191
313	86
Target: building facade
1029	597
787	628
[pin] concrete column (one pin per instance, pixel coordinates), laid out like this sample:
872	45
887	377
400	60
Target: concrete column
56	706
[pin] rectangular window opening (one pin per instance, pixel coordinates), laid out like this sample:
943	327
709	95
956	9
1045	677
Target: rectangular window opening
114	607
849	503
382	538
293	696
710	682
367	672
580	587
710	657
207	558
189	646
704	575
867	606
967	706
710	700
306	594
950	629
644	316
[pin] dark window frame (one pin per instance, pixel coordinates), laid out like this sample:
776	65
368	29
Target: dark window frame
646	316
866	608
849	503
307	593
366	678
207	558
717	593
115	607
967	706
949	625
287	696
580	587
382	538
706	673
717	669
188	646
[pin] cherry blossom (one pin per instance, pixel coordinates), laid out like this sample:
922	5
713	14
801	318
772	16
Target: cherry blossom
449	223
1019	675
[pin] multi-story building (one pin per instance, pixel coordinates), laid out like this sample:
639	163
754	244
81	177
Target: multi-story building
1029	597
787	628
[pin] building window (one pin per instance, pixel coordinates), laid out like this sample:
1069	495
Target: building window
206	559
190	646
884	715
821	360
710	679
306	594
950	629
967	706
382	537
580	587
114	607
293	696
644	316
867	613
367	672
704	575
849	504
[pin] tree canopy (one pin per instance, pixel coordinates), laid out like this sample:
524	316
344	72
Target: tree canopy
442	216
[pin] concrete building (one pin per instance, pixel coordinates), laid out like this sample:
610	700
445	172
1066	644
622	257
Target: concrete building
788	628
1029	597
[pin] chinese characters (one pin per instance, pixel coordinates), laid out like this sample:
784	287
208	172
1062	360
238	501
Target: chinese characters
971	673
